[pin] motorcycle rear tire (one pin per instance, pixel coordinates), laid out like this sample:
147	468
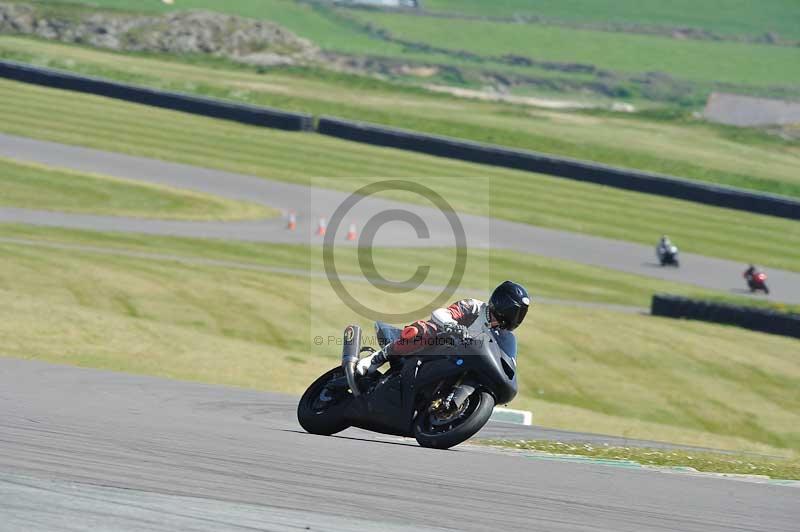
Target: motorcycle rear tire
329	421
463	431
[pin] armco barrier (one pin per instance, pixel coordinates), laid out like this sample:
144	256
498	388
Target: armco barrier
247	114
453	148
754	318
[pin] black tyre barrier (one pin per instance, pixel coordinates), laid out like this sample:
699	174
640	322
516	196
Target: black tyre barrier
754	318
674	187
238	112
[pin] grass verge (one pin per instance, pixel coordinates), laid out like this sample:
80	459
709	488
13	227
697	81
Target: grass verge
312	159
705	461
582	369
33	186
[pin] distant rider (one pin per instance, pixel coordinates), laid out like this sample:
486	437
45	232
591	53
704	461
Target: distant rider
664	245
466	318
750	272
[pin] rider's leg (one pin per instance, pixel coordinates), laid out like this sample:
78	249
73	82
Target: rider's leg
413	338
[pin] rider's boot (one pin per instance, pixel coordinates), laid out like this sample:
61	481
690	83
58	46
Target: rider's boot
369	365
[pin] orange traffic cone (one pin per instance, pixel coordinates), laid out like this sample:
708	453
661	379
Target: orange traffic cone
322	227
351	233
292	221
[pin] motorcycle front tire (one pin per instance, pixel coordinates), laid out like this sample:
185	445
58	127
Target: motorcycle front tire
463	431
327	422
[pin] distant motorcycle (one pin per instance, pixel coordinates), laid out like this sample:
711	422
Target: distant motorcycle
441	395
757	281
668	255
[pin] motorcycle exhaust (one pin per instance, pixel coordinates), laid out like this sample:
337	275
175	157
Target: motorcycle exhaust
350	349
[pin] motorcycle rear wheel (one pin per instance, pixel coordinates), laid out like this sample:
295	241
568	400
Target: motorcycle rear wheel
477	413
318	418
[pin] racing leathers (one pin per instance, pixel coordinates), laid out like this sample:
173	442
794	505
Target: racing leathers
464	318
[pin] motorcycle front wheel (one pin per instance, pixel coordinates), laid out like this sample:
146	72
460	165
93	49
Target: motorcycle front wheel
321	410
434	429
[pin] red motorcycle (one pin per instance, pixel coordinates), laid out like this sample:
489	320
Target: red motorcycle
757	281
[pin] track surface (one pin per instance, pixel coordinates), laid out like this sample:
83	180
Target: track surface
312	203
85	449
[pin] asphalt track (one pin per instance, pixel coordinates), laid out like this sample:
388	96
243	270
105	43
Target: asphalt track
84	449
312	203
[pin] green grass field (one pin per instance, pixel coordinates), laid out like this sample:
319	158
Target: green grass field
696	66
33	186
582	369
703	61
731	17
683	147
297	157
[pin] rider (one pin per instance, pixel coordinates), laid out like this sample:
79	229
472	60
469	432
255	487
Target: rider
750	272
505	310
664	244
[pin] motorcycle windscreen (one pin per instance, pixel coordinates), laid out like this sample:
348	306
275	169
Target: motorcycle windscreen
507	342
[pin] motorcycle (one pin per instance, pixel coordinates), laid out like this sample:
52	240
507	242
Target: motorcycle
668	255
441	396
757	281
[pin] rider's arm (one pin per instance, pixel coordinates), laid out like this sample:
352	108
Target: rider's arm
462	312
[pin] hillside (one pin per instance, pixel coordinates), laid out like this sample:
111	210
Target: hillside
575	50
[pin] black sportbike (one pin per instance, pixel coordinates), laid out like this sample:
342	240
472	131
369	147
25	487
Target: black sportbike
441	395
668	255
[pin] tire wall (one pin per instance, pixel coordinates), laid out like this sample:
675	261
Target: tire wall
757	319
246	114
452	148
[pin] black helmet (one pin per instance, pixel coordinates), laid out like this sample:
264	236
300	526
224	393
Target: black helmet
509	305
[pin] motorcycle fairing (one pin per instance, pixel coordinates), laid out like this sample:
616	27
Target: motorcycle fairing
390	405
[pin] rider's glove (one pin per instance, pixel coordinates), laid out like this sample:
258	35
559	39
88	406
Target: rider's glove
455	331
